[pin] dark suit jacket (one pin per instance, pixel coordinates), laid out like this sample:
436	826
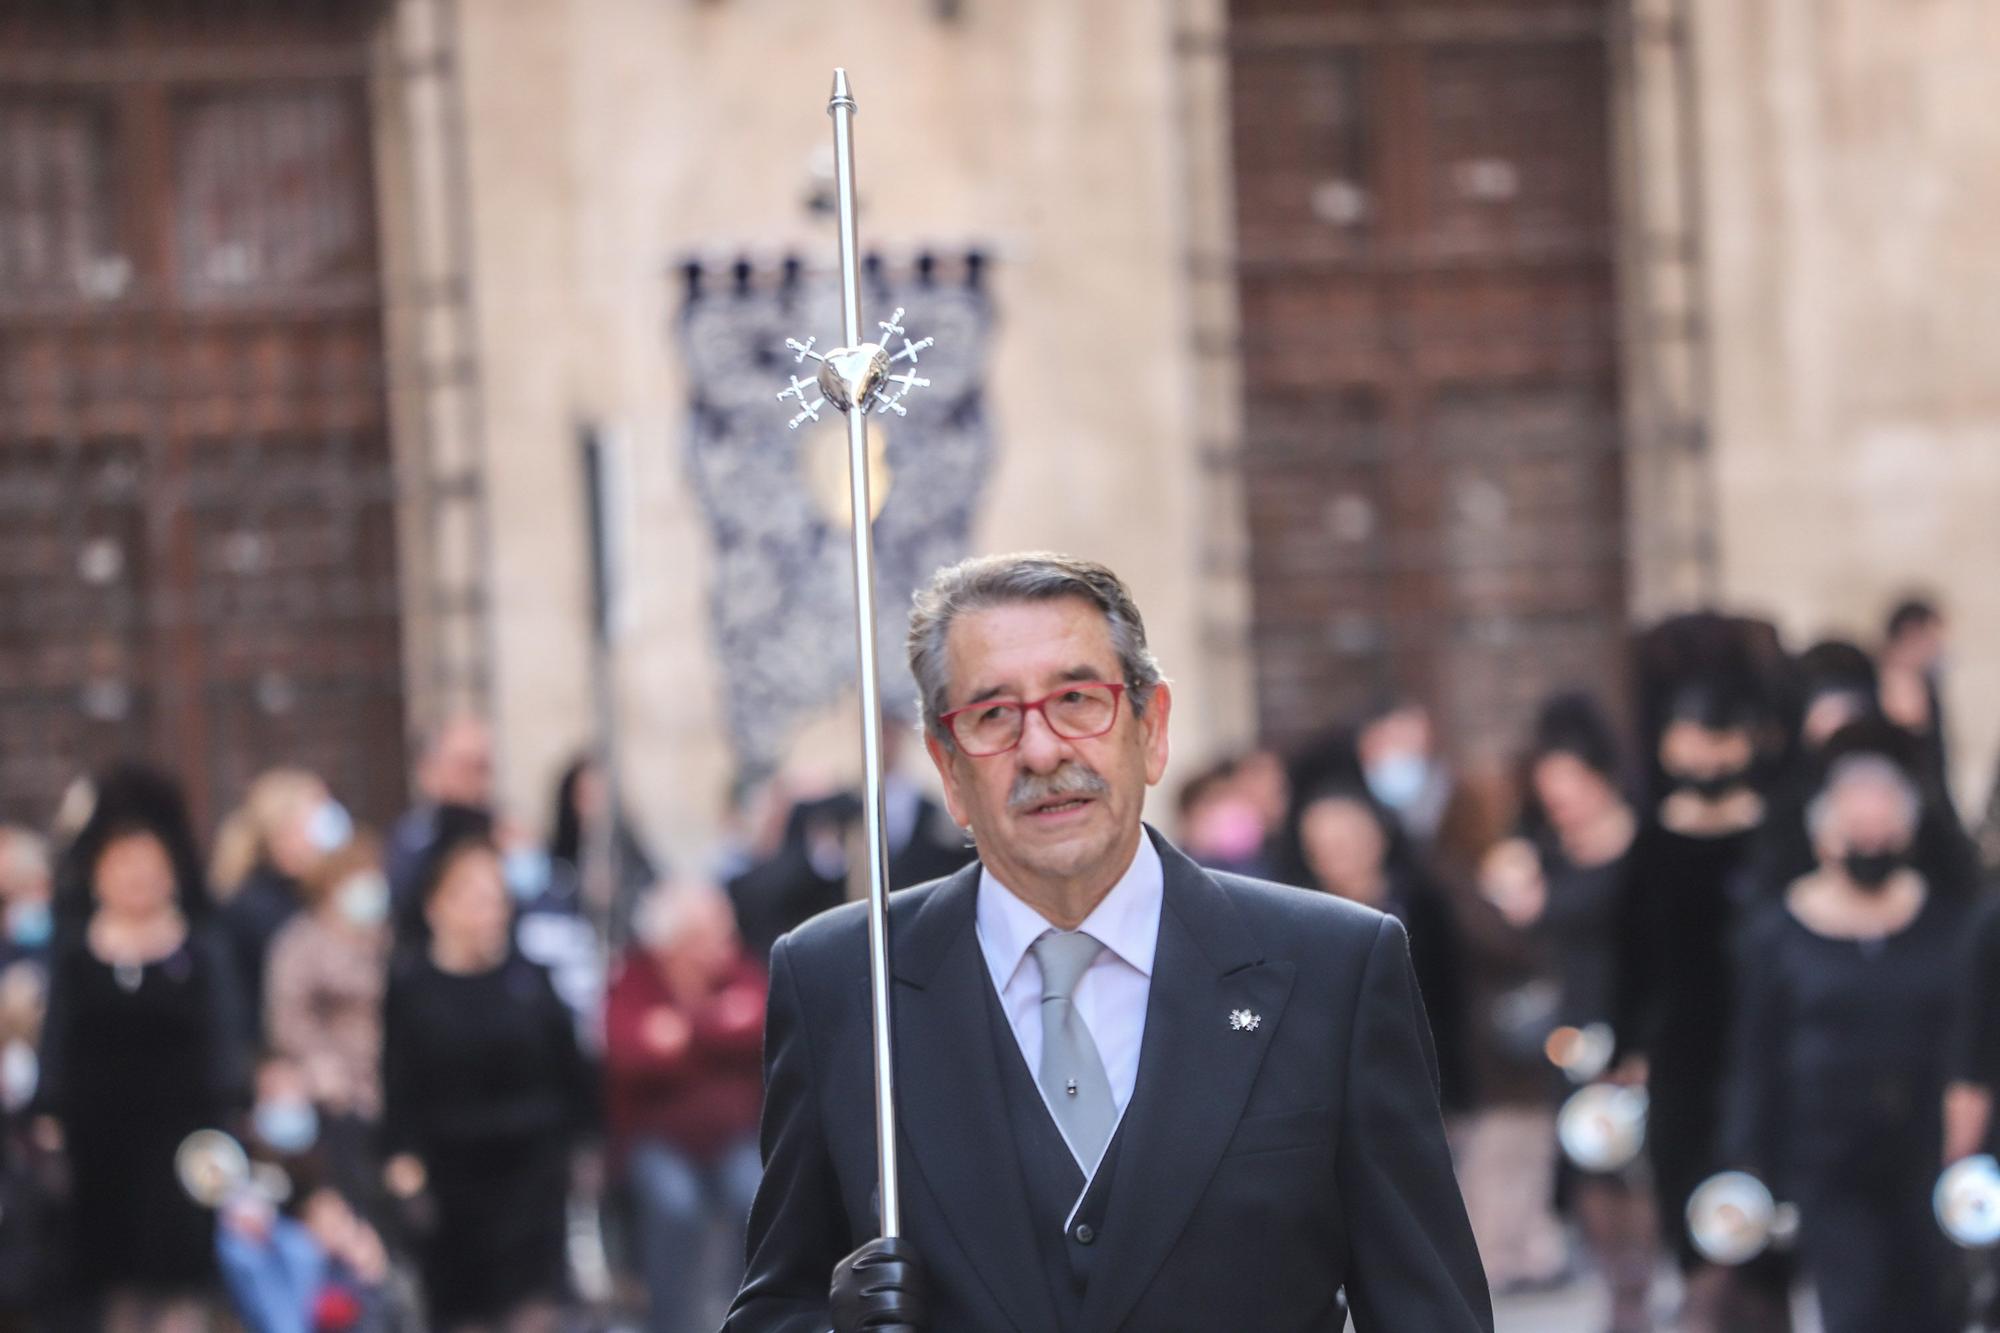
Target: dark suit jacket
1260	1171
780	893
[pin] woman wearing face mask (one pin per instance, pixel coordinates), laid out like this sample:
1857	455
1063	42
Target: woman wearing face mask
139	1049
323	1004
1674	988
1839	1068
483	1092
1836	686
27	914
306	1260
263	852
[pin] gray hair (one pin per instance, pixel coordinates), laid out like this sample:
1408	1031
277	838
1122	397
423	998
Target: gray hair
664	915
1030	576
1862	767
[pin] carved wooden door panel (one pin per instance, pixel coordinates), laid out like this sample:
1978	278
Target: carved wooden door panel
1431	457
198	558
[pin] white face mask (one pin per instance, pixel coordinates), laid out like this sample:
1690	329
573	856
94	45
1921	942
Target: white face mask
29	925
363	899
526	870
329	826
287	1125
1398	779
20	1072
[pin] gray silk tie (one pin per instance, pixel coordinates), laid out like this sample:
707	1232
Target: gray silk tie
1072	1073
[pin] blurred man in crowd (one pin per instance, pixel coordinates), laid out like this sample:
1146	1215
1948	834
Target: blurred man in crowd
815	866
684	1036
455	769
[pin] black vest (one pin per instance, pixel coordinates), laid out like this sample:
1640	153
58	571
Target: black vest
1069	1257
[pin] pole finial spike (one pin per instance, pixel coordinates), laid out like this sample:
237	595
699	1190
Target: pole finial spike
842	94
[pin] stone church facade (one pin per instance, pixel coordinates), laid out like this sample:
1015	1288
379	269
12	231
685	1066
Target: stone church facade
1415	346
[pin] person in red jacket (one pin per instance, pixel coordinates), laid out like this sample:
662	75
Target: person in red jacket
684	1028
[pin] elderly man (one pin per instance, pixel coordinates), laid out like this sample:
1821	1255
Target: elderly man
455	772
681	1030
1135	1095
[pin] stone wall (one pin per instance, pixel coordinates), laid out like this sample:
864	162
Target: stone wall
1849	149
1847	290
610	139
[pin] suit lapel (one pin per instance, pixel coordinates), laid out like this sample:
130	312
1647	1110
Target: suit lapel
1195	1074
951	1101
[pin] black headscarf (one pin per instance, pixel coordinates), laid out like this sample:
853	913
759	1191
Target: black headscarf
453	828
1574	724
1722	672
132	798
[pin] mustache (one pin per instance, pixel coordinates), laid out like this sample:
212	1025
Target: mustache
1072	779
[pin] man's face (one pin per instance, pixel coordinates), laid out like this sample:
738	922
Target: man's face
1051	811
460	771
706	946
1922	645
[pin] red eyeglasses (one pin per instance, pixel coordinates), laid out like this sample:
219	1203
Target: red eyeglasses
994	726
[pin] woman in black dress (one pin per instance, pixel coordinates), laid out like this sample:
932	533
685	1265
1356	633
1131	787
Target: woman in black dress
484	1091
1345	843
1839	1067
1674	991
141	1048
1580	828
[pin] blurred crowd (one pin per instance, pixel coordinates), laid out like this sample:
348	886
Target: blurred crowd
472	1073
1743	890
465	1074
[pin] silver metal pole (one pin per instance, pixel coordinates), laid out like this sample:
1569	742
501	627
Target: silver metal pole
601	883
842	108
857	378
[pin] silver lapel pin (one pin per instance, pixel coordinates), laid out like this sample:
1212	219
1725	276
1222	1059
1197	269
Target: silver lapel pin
1242	1020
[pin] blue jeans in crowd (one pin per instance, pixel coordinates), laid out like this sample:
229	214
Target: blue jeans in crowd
273	1282
691	1273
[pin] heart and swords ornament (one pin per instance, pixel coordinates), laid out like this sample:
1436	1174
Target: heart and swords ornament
852	378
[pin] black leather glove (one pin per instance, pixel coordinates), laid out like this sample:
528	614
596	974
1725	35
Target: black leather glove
882	1287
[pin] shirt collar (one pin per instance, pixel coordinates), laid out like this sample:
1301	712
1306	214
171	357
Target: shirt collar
1126	921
